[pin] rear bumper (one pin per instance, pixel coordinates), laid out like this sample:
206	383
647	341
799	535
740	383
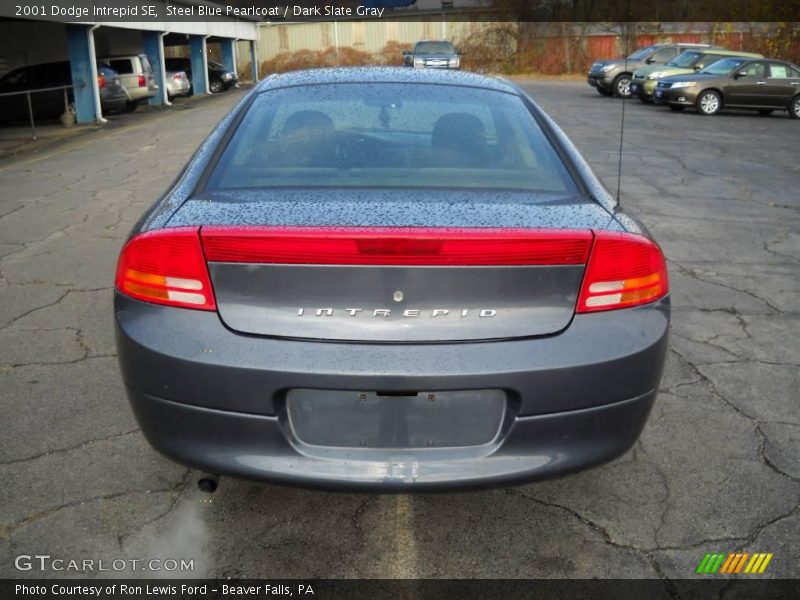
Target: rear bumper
265	448
115	103
178	88
214	399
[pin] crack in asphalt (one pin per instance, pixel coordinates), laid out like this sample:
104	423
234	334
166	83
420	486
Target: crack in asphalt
692	273
56	363
66	449
605	535
7	529
763	438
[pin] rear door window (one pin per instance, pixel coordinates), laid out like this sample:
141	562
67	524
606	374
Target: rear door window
779	71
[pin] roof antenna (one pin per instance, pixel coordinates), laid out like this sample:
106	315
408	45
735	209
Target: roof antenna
624	99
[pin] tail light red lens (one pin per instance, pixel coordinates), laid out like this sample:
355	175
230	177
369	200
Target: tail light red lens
624	270
166	266
177	77
101	81
396	246
142	81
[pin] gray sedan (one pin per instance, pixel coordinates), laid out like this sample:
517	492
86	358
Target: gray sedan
393	280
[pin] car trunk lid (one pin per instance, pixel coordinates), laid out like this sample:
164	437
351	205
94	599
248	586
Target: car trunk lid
483	278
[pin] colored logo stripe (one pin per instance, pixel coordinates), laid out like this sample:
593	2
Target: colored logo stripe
734	563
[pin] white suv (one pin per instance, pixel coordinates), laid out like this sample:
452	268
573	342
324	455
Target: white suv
136	75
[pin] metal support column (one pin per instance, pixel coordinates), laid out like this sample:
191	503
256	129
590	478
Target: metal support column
254	60
197	48
84	73
228	55
154	48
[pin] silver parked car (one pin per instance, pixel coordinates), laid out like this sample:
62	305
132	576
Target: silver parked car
178	84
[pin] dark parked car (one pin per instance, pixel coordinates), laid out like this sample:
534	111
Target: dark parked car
613	76
645	79
762	85
390	279
113	98
219	78
50	104
431	54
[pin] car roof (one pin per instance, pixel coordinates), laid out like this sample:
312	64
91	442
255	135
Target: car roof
749	59
733	53
681	45
385	75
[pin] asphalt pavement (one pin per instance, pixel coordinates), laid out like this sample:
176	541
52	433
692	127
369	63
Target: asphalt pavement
717	468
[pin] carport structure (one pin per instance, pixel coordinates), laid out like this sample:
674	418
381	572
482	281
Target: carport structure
32	42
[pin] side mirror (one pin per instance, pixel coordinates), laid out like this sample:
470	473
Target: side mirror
650	60
740	74
406	52
698	67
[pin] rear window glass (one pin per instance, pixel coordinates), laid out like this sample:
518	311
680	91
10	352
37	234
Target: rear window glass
121	65
145	64
390	135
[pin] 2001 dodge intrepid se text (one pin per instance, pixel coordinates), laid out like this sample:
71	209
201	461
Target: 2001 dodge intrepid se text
390	279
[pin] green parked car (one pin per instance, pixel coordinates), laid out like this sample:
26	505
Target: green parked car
645	78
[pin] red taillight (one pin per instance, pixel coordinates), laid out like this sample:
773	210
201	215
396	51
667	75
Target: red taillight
624	270
177	77
101	81
395	246
166	266
142	81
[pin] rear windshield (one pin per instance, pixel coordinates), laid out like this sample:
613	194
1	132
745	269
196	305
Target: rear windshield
106	70
390	136
434	48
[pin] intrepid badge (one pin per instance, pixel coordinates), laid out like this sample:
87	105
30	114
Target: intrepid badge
408	313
